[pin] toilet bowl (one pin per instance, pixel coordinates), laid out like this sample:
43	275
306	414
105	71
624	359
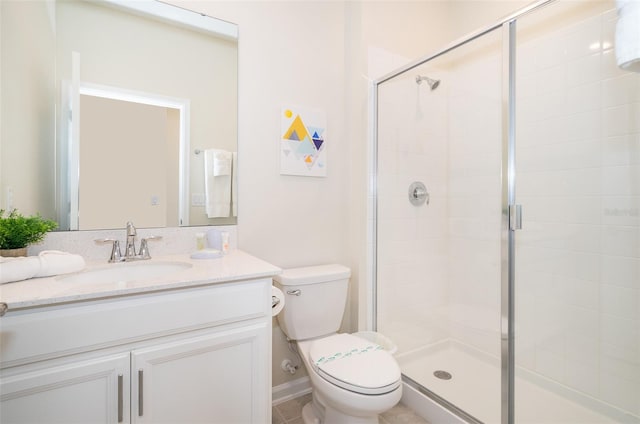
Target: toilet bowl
362	381
353	379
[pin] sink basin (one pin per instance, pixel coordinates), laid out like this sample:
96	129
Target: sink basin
125	272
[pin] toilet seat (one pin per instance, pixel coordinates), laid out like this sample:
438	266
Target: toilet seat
355	364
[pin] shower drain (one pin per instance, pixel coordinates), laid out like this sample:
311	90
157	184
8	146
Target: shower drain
442	375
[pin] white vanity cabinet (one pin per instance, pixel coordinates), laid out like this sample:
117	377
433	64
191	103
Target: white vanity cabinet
83	392
208	379
193	355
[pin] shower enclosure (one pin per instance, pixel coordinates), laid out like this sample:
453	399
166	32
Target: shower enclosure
507	220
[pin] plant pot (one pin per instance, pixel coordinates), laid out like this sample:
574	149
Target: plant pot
13	253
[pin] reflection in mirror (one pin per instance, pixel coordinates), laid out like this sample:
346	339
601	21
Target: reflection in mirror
77	85
132	130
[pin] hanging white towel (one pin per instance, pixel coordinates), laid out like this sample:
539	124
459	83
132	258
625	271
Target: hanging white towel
628	35
221	162
217	183
234	184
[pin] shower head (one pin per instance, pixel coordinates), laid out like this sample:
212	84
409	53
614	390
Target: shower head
433	83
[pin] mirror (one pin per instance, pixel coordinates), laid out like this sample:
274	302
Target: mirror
112	110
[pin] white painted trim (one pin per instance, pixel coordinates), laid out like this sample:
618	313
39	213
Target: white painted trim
74	150
290	390
117	93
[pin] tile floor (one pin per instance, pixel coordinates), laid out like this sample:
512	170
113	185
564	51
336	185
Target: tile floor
290	412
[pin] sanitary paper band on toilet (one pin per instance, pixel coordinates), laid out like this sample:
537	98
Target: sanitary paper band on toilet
277	301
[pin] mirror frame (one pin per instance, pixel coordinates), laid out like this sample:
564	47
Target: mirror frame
176	14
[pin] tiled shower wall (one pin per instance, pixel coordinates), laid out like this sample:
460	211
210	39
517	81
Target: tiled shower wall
412	240
578	179
474	178
439	263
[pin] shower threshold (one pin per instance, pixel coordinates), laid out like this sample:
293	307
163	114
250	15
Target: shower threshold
475	388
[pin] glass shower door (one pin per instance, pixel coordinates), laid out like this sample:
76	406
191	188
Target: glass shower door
439	262
577	345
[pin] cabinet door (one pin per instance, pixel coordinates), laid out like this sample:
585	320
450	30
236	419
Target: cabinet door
85	392
220	378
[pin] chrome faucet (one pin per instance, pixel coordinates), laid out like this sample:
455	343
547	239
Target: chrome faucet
130	247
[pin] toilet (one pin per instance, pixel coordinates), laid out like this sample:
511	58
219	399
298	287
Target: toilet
353	380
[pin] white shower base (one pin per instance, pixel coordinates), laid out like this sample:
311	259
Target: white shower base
475	388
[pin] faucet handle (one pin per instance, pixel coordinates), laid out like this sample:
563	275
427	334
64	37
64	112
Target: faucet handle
144	247
116	255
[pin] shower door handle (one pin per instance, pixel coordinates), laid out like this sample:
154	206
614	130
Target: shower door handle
515	217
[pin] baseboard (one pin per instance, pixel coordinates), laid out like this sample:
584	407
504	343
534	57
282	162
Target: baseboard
290	390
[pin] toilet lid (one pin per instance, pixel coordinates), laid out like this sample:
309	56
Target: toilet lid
355	364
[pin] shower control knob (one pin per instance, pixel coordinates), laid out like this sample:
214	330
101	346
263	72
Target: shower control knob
418	194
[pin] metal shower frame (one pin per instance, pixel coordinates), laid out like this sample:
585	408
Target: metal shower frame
510	212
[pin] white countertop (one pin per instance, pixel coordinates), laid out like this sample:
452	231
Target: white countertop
235	266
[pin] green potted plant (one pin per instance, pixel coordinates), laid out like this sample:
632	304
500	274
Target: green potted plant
18	231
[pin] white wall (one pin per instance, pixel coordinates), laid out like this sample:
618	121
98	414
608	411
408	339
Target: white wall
290	53
28	108
468	16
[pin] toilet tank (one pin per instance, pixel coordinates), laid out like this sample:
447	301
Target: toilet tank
315	298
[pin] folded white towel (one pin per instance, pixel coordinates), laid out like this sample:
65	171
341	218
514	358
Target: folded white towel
55	262
46	264
18	269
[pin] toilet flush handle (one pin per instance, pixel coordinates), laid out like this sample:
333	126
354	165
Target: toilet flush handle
294	292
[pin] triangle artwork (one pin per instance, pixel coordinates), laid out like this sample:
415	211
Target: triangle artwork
302	144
